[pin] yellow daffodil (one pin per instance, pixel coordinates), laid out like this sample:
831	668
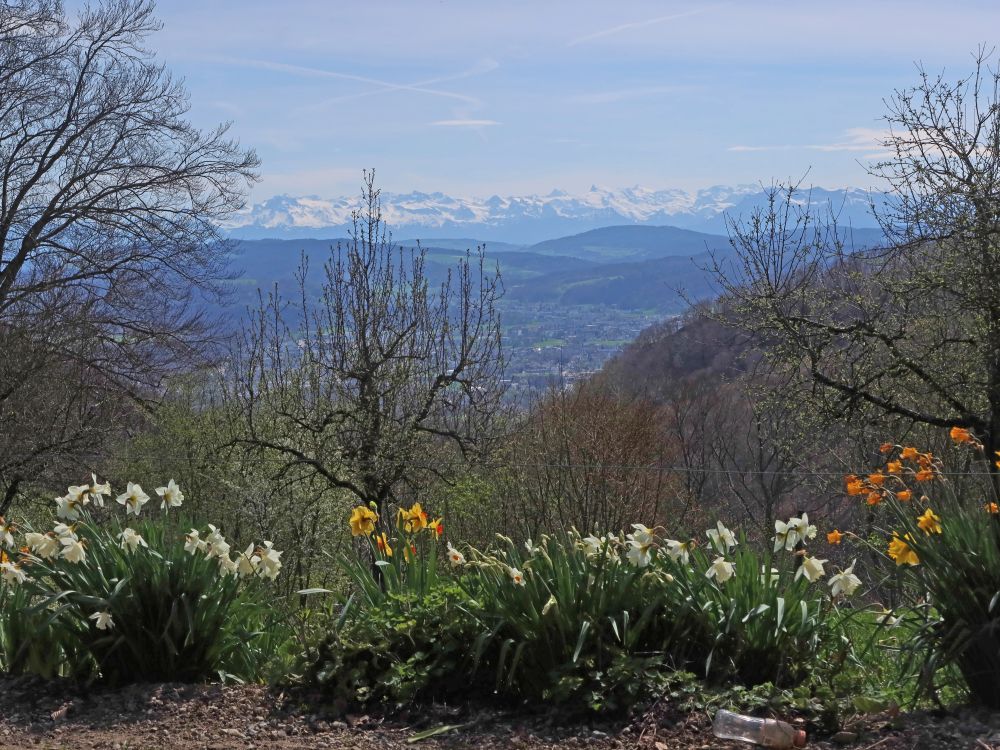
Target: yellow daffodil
929	522
412	520
901	551
363	521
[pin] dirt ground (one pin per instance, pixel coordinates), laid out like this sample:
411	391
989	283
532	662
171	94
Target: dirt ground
37	714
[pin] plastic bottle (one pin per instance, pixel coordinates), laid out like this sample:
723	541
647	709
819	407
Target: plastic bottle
764	732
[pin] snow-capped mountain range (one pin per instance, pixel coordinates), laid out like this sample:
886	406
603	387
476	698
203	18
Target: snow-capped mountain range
530	218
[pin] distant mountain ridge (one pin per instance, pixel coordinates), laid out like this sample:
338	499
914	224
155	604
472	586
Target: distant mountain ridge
532	218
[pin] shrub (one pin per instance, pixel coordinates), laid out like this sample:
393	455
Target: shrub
573	620
946	548
141	600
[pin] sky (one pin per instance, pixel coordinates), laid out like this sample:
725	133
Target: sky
514	97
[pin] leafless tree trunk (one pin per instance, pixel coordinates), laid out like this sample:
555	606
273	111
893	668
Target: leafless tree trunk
109	210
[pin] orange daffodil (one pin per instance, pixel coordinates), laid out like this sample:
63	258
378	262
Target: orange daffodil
834	537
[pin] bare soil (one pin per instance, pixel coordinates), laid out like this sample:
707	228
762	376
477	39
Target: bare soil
39	714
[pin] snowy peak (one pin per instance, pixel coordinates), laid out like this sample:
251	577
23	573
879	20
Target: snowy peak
525	218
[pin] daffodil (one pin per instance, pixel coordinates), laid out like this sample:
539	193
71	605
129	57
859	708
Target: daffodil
834	537
909	453
437	526
171	495
722	538
904	496
62	530
97	490
679	551
886	618
845	582
929	522
73	549
130	540
720	570
247	562
455	557
12	573
901	551
785	535
961	435
68	508
228	566
516	576
811	568
412	520
270	561
638	554
592	545
992	508
803	529
363	521
6	532
102	620
43	545
192	542
383	545
133	499
642	534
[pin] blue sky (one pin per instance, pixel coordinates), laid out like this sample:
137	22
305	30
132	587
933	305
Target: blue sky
476	98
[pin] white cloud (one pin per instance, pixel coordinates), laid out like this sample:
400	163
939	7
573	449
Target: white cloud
638	25
302	70
855	139
464	123
606	97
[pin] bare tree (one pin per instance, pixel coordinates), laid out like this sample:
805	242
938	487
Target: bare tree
109	202
908	331
367	385
588	459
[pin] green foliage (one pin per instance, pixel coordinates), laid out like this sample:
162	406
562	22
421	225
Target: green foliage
175	618
31	643
946	545
411	646
589	624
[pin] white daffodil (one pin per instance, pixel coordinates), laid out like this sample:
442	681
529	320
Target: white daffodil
638	554
531	548
130	540
73	550
643	535
592	545
12	573
845	582
247	563
455	557
97	491
516	576
78	494
720	570
171	495
133	498
6	532
803	529
785	535
68	508
62	530
228	566
103	620
43	545
722	538
811	568
885	618
679	551
192	543
270	561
